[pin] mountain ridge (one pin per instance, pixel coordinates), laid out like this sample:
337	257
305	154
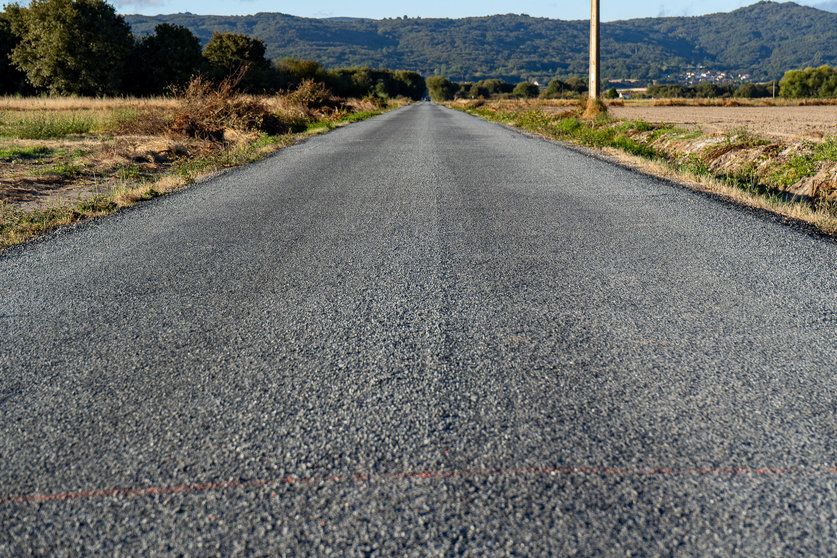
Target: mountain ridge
762	40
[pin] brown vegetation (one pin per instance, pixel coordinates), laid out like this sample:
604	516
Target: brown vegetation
207	110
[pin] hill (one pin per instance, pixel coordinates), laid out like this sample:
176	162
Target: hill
762	40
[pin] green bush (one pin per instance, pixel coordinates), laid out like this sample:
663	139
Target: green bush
526	90
557	89
441	88
569	125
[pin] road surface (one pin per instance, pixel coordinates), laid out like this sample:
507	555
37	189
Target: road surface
421	334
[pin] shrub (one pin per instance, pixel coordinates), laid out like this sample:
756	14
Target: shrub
526	90
206	110
310	94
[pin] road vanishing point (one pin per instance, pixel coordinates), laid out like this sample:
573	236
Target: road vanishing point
422	334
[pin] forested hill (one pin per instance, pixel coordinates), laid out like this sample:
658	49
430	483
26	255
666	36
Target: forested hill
763	40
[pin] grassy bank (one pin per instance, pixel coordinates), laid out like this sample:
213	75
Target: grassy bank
63	161
796	179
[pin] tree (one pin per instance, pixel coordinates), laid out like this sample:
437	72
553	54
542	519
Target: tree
295	71
810	82
478	90
669	91
495	86
752	91
72	46
612	93
168	57
12	80
409	84
554	89
526	90
441	88
577	84
227	53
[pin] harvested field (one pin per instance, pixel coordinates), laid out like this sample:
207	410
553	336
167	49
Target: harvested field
774	122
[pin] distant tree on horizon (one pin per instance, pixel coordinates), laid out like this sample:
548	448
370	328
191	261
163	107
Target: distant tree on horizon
441	88
526	90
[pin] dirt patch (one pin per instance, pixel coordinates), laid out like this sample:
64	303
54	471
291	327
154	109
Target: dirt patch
40	173
774	122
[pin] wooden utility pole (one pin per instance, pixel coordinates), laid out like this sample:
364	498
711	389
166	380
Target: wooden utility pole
595	86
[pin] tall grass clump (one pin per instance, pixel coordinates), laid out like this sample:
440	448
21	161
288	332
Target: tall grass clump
49	125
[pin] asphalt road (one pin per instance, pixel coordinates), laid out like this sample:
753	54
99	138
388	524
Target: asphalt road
421	334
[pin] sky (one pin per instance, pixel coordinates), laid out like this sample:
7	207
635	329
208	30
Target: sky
377	9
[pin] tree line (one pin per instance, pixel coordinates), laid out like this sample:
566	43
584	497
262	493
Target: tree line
83	47
811	82
441	88
818	82
713	90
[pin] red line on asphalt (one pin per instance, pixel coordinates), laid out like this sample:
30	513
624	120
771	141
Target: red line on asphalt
366	478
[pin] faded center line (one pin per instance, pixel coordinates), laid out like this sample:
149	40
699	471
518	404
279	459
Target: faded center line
371	478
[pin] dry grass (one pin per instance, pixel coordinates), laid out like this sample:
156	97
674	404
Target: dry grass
90	157
796	179
8	103
594	108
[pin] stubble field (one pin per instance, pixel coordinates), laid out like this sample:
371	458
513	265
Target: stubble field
777	122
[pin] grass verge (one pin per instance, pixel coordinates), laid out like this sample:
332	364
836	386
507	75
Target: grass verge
130	184
797	181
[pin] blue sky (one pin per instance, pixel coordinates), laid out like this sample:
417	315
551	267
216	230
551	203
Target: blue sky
377	9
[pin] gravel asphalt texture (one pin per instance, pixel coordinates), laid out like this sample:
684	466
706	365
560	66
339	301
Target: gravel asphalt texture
422	334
